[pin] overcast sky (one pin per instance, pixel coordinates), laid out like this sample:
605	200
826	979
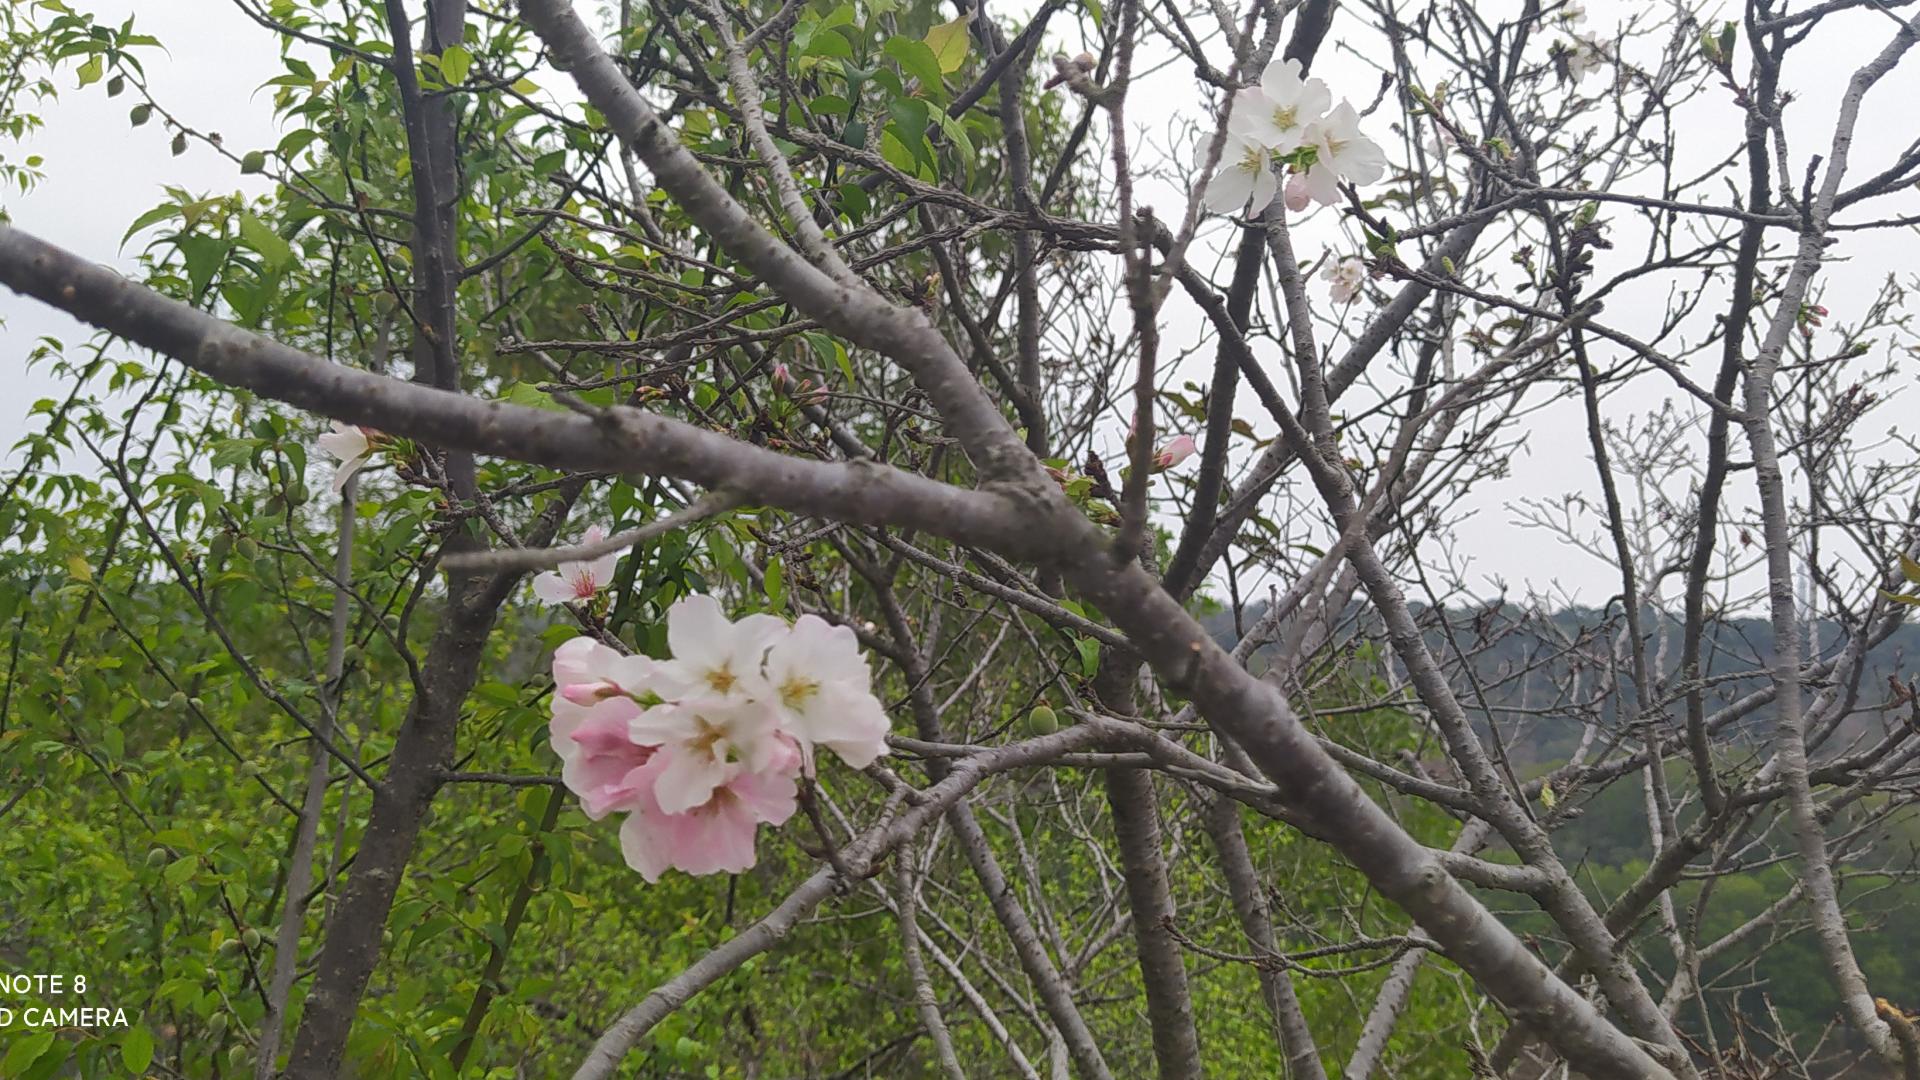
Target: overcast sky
101	173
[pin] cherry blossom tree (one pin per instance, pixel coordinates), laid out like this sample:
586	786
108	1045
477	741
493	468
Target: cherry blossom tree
1037	536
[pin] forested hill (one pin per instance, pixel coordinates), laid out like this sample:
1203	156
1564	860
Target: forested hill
1544	674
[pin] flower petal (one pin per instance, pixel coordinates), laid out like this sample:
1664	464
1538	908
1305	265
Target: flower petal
551	588
1228	190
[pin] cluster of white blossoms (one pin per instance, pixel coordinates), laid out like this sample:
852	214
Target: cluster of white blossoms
1290	124
1345	277
1583	53
698	751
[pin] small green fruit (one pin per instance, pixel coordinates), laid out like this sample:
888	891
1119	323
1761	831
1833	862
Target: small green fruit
157	857
1042	721
250	937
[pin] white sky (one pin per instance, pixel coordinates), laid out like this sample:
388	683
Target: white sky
101	173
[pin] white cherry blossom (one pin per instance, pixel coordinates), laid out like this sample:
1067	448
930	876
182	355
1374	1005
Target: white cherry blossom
712	656
1246	178
1341	153
709	741
576	582
1345	279
823	690
1276	113
350	446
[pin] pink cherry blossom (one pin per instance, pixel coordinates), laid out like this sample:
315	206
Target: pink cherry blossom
584	671
823	691
601	762
576	582
714	837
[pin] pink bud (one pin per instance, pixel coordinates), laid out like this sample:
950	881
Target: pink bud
1298	195
780	373
1173	453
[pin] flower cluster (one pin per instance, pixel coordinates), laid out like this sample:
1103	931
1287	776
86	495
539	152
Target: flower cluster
699	750
1285	122
1582	54
1345	279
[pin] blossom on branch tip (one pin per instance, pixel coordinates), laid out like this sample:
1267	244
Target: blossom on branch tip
702	748
349	445
600	760
576	582
1177	450
1289	123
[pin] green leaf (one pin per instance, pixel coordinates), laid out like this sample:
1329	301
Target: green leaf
256	235
91	71
177	872
204	256
949	44
25	1051
1089	656
957	135
1910	570
136	1049
454	63
776	585
524	393
916	59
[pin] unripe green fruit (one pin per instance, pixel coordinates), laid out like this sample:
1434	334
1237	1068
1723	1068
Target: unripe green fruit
230	946
157	857
250	937
1042	721
178	700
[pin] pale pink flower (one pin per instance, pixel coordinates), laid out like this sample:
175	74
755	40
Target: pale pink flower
584	671
601	762
716	836
1177	450
1345	279
350	446
713	656
577	582
823	691
708	740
